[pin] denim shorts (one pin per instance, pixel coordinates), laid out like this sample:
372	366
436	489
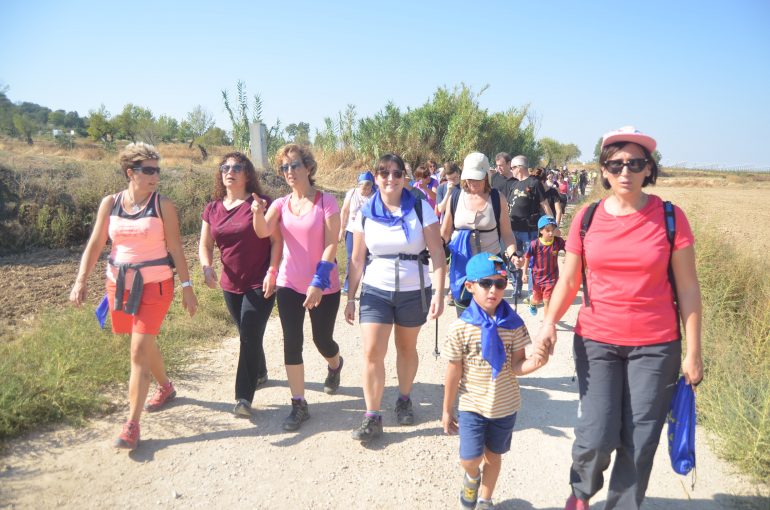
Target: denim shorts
389	307
477	432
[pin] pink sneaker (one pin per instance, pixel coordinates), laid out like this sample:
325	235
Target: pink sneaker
573	503
129	438
163	394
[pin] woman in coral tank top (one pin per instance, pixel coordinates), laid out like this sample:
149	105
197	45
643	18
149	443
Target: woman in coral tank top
144	229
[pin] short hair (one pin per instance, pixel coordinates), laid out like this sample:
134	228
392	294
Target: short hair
432	162
451	168
503	155
421	172
305	155
252	181
610	150
135	153
390	158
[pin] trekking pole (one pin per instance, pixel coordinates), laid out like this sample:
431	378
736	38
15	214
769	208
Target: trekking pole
436	352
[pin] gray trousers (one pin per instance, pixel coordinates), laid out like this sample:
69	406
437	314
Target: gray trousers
625	394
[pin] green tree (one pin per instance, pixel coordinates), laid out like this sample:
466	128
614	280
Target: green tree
6	115
197	123
598	149
129	122
25	126
657	156
299	133
57	118
239	115
168	128
100	127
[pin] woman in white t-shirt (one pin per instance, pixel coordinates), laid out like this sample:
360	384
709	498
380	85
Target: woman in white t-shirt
355	198
401	234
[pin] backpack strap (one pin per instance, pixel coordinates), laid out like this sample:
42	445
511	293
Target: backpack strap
588	217
453	200
494	194
670	221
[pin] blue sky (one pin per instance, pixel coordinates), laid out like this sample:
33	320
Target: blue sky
695	75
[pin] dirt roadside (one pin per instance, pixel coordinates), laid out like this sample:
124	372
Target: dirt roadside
196	454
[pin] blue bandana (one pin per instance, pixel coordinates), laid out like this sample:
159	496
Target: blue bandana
492	348
375	210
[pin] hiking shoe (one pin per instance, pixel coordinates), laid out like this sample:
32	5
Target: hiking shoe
261	381
332	382
242	408
299	413
370	428
129	437
484	505
164	393
533	310
470	492
404	413
575	503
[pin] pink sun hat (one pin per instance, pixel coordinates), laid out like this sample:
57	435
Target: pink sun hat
629	134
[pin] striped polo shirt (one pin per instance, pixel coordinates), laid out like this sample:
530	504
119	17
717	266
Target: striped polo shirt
479	393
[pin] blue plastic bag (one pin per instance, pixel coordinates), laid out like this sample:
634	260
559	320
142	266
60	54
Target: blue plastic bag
102	310
681	428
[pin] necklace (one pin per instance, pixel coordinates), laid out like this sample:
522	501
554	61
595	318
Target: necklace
136	207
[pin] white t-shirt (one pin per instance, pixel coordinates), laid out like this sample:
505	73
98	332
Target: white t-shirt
385	240
356	201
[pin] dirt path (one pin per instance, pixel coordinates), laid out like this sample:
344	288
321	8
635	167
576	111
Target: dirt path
197	455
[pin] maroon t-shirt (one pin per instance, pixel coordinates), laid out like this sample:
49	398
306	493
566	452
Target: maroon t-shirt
245	257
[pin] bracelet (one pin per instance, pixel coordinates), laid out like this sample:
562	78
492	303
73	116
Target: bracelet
186	283
271	270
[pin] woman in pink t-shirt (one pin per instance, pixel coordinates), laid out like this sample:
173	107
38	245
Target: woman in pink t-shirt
249	268
627	343
309	221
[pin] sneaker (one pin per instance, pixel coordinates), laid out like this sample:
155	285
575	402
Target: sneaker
404	413
485	504
299	413
261	381
242	408
332	382
370	428
533	310
164	393
470	492
129	437
574	503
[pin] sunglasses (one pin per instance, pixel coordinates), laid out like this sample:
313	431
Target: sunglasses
397	174
291	166
487	283
236	168
147	170
615	166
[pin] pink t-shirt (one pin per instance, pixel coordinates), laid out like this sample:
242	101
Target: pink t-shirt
303	243
627	273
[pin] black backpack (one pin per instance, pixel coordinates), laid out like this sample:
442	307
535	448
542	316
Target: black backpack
670	221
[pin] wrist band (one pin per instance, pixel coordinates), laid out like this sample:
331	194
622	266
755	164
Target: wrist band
321	276
186	283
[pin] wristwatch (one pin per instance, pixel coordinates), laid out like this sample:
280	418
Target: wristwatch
187	283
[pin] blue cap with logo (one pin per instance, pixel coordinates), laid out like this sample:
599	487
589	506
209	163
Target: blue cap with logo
544	221
482	265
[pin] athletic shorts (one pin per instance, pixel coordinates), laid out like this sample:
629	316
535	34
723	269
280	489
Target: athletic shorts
540	293
389	307
156	300
478	432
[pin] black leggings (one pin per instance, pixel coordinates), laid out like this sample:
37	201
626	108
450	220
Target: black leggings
322	319
250	311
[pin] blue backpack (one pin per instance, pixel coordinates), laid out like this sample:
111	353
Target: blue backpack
681	428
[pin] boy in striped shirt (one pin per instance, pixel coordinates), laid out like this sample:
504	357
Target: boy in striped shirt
485	350
541	255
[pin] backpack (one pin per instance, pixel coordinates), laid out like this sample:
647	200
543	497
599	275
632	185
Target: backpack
494	194
670	224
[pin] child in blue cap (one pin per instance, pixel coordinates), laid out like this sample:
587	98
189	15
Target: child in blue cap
541	255
485	350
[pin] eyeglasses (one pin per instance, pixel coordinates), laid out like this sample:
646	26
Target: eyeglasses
636	165
383	173
147	170
487	283
236	168
291	166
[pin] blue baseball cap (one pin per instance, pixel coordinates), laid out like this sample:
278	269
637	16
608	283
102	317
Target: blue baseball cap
365	176
544	221
482	265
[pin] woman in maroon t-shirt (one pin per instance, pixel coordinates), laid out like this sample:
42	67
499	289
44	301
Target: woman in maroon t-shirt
249	268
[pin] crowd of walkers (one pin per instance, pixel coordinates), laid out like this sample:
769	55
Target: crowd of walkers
632	253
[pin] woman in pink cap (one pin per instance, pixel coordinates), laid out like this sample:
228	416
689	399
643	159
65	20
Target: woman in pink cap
639	281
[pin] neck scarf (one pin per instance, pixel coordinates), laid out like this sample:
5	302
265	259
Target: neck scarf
376	210
548	243
492	349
